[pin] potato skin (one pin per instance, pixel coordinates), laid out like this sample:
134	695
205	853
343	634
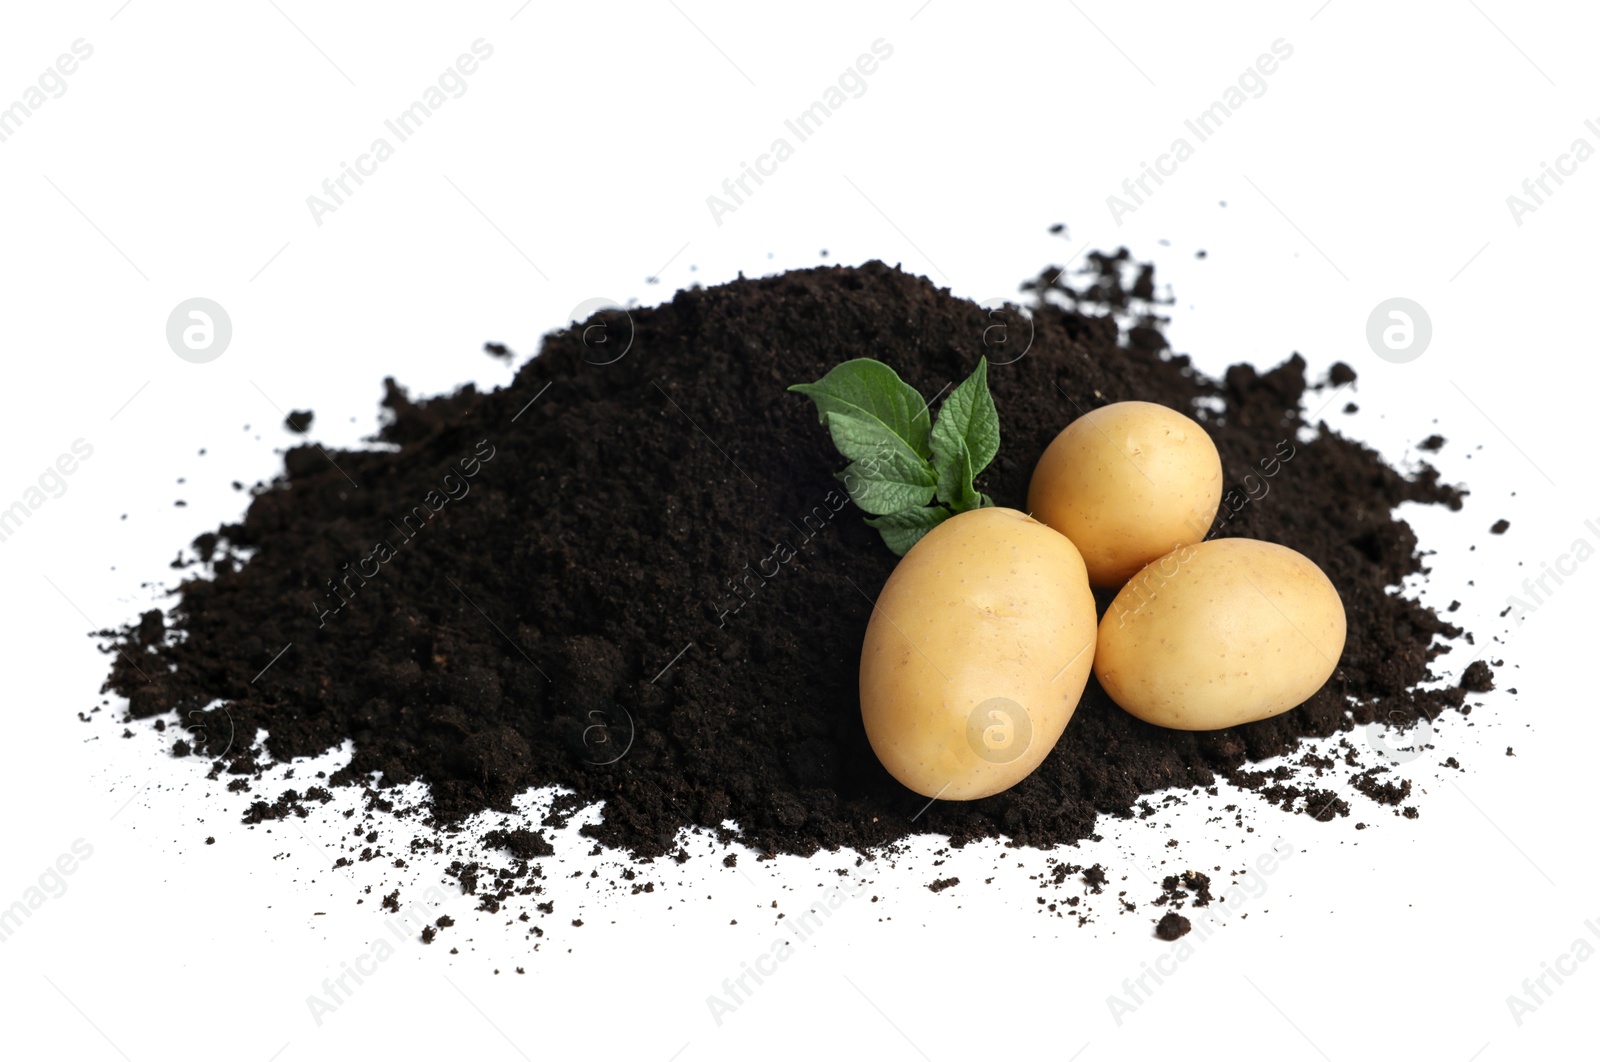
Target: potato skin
977	654
1128	483
1220	633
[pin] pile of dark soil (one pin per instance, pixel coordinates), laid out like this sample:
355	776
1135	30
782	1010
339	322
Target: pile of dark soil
628	573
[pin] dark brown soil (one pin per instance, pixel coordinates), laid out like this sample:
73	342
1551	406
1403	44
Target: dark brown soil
1172	926
629	575
1478	677
1190	886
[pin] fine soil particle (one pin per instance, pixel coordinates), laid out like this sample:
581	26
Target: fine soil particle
1432	443
299	421
635	577
943	884
1172	926
1500	527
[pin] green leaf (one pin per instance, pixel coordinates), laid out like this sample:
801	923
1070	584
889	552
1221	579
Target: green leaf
885	483
868	390
905	529
865	440
969	416
953	466
900	461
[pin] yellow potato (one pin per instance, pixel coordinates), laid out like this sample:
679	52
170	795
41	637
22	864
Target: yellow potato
1128	483
976	654
1221	633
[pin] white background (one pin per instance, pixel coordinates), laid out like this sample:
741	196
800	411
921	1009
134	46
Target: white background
1377	164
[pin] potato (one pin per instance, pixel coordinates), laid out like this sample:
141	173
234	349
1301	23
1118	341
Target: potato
1221	633
1128	483
976	654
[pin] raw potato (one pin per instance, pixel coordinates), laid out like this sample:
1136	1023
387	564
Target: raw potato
1128	483
977	654
1221	633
